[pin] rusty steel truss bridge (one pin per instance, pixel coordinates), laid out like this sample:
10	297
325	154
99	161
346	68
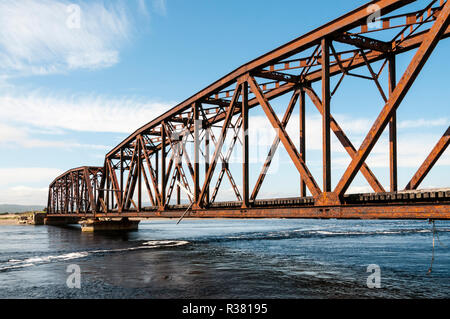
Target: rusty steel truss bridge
175	164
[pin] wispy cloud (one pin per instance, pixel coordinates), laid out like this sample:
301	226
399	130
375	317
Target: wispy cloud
160	7
411	152
53	36
148	7
14	177
142	6
423	123
80	113
24	195
26	185
11	136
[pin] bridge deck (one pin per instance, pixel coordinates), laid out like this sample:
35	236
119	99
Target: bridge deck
418	204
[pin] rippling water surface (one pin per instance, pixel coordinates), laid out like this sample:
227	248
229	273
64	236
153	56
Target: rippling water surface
228	259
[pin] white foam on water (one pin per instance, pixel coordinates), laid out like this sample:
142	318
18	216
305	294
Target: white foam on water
375	232
147	245
165	243
28	262
323	232
15	267
68	256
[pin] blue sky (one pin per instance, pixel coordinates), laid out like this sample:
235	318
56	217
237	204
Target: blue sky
69	95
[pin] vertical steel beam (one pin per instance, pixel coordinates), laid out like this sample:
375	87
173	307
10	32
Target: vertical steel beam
163	166
207	139
66	198
157	168
178	190
326	132
302	148
56	194
197	126
139	172
49	201
392	129
72	208
89	191
77	192
108	187
121	179
102	187
245	155
109	171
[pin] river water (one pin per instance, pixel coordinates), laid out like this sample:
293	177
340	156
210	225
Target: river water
228	259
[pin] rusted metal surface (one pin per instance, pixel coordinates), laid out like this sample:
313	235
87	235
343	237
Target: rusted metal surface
172	153
326	100
75	191
392	129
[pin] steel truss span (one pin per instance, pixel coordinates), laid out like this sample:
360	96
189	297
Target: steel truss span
179	161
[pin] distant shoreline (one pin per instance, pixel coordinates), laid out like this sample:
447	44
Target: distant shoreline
11	222
16	219
8	220
18	209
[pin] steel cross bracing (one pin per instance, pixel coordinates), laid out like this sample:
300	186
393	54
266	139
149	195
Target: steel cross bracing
182	149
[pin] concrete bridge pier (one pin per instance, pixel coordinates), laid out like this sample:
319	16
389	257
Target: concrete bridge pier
60	221
94	225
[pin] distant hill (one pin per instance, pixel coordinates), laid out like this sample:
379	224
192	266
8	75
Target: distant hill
7	208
